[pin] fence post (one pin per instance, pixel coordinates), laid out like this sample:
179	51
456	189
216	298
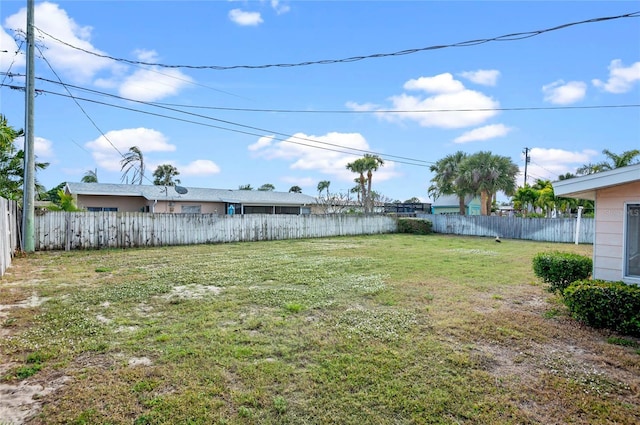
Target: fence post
578	225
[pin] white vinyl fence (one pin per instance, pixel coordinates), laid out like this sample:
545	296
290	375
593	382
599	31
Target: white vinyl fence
536	229
94	230
9	226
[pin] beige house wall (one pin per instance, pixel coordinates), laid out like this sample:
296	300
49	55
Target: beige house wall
609	231
176	207
138	204
122	203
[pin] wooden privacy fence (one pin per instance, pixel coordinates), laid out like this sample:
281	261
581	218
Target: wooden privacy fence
9	232
537	229
94	230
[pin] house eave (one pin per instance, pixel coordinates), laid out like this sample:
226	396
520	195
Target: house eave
585	187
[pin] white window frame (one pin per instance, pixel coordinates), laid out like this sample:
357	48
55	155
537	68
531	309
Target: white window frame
635	279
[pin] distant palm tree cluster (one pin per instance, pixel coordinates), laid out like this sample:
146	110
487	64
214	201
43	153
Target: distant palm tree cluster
481	174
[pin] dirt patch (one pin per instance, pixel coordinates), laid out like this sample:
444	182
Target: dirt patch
192	292
19	402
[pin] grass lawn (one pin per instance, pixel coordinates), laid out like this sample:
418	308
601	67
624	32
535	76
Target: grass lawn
388	329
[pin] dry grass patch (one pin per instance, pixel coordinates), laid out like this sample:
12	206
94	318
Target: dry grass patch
387	329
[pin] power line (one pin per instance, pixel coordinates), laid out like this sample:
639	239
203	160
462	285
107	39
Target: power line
468	43
233	123
415	162
20	32
346	111
86	114
391	111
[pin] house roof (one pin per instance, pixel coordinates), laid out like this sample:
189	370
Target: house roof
450	201
193	194
585	187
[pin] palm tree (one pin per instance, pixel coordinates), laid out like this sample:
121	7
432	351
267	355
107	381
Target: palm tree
358	167
164	175
133	161
615	161
91	176
295	189
447	179
372	163
366	165
323	185
622	160
487	174
546	198
12	163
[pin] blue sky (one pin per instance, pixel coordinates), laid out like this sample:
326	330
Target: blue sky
299	125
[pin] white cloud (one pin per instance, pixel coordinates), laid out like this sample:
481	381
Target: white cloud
308	152
10	58
485	77
362	107
561	93
43	148
443	83
53	20
262	142
146	84
279	7
147	140
199	167
621	79
149	85
483	133
243	18
468	107
548	164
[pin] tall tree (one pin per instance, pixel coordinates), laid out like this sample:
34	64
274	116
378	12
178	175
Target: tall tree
91	176
487	174
295	189
267	187
12	163
133	162
622	160
447	179
323	185
365	167
164	175
614	161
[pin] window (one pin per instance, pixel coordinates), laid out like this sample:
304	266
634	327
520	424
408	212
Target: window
100	209
258	210
632	242
287	210
191	209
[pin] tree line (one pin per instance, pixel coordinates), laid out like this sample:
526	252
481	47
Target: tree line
484	174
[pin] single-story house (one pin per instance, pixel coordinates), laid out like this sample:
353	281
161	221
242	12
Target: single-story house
616	248
450	204
178	199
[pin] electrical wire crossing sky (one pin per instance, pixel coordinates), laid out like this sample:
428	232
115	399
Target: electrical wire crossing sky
288	93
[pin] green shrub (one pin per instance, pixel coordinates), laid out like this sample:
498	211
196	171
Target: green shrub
609	305
559	269
414	226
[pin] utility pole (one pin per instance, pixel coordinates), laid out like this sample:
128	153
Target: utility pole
28	185
527	160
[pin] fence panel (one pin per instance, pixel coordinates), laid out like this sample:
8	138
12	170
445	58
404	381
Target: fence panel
95	230
9	232
536	229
